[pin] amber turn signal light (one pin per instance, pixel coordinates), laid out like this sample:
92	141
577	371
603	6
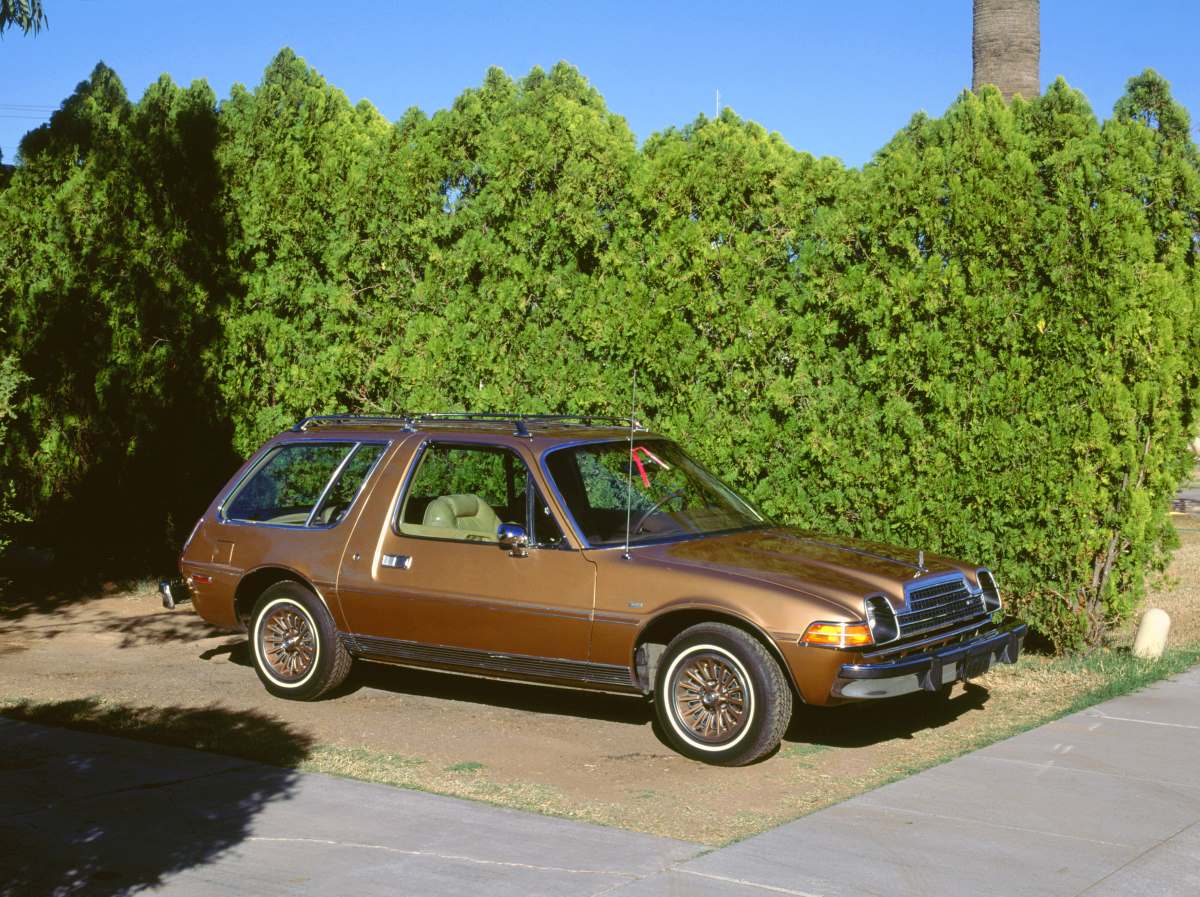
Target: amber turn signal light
837	635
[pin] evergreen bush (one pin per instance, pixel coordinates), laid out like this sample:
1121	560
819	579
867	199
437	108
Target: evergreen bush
982	343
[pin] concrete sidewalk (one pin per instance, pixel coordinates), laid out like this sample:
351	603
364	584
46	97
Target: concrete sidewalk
90	814
1105	802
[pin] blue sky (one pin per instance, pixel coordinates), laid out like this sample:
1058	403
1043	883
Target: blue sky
835	81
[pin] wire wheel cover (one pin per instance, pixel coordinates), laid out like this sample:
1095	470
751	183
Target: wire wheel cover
288	643
710	698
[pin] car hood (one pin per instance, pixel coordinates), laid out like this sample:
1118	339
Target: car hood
836	568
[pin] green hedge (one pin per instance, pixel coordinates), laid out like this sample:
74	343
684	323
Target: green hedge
983	343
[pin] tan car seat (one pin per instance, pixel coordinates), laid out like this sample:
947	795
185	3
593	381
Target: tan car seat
466	513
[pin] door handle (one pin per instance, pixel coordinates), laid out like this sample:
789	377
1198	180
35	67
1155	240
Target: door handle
398	561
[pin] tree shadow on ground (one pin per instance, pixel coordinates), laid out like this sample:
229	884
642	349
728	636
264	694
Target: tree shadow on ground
871	722
157	628
100	816
50	585
61	599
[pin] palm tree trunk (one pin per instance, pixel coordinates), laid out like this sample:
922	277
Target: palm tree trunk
1006	46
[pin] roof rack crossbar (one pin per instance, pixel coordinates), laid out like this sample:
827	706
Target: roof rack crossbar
521	423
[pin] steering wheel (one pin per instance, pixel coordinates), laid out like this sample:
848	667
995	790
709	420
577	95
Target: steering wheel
637	527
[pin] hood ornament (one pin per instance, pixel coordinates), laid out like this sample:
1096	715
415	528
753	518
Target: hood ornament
921	568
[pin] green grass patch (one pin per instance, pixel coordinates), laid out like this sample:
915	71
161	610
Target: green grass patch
1120	672
1123	673
360	763
465	766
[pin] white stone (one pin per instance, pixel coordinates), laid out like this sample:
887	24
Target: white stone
1151	636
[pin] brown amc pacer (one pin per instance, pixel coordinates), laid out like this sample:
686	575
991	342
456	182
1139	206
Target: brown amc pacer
575	551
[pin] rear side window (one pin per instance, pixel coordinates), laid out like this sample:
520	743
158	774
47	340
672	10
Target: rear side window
304	484
343	492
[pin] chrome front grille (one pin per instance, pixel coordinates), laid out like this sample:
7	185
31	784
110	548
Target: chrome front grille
938	604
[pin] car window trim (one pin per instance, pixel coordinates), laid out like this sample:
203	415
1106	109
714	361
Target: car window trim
764	522
337	472
307	526
386	444
415	465
553	484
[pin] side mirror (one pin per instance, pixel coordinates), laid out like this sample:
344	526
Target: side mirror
513	538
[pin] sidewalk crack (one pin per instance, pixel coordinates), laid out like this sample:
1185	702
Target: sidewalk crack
1134	859
774	889
144	786
1014	828
451	857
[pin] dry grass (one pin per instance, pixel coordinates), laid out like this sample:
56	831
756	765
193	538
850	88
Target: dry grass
829	756
1179	591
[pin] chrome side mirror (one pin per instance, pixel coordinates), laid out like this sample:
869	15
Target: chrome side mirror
513	538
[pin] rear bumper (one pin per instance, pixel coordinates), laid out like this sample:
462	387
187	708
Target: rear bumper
173	592
930	670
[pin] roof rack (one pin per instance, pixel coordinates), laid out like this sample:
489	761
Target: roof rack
522	424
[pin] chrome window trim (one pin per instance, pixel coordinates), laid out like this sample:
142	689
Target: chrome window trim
303	527
558	496
764	522
683	537
362	483
337	472
414	465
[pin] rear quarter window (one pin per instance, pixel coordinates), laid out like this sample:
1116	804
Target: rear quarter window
288	483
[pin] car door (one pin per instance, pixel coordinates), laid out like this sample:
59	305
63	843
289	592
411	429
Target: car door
434	575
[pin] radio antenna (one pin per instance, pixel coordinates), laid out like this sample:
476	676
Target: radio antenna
629	467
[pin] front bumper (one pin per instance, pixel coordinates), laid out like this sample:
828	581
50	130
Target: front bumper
930	670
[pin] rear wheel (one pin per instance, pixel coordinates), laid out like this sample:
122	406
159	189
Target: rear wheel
297	652
720	695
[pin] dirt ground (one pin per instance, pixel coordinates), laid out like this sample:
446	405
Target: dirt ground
575	754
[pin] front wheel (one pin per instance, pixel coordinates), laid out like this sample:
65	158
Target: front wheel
297	652
720	695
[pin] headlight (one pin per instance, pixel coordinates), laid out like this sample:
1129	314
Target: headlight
991	592
882	619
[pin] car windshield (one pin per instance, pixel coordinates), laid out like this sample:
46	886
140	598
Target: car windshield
668	495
